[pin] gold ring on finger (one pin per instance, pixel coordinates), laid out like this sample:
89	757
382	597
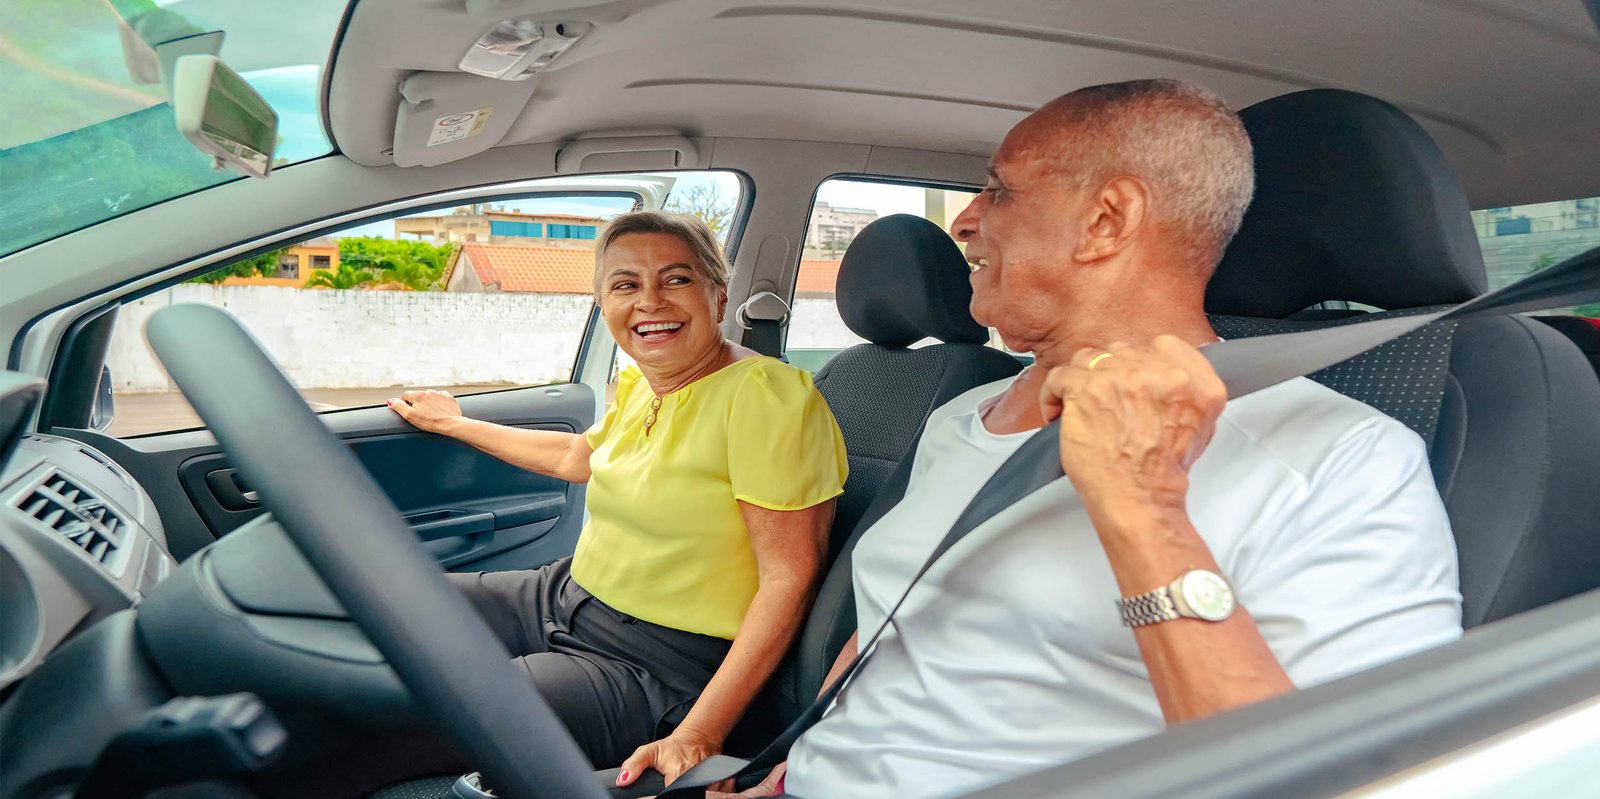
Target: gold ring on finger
1095	361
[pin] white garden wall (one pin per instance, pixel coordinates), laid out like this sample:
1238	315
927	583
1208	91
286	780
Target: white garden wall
376	339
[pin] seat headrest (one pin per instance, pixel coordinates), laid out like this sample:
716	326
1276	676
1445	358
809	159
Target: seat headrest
902	280
1354	201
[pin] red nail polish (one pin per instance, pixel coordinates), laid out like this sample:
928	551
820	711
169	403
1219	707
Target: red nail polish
621	778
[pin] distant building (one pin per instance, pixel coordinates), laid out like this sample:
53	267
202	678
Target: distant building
1521	239
832	229
481	224
296	264
522	268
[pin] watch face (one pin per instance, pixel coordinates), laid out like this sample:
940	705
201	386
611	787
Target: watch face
1208	595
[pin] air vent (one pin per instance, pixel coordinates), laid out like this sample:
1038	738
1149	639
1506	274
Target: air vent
77	515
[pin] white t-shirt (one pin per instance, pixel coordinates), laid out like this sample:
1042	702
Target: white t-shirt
1010	655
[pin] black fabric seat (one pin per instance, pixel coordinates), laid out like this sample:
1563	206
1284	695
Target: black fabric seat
1583	332
903	280
1355	202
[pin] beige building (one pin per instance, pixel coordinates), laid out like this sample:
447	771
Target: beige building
296	264
484	224
1538	218
832	229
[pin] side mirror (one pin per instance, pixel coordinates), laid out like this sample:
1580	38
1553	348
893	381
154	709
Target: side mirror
219	112
104	408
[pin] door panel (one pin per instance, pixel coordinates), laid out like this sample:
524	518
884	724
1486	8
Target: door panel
470	510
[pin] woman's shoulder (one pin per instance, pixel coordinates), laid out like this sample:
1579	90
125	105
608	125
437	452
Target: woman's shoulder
768	374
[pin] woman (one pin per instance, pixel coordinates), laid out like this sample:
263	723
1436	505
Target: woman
711	488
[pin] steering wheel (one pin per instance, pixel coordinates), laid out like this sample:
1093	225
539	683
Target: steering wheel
355	539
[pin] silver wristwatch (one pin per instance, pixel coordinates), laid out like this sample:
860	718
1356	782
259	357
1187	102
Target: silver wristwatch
1198	594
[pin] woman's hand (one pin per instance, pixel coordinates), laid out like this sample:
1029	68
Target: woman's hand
672	755
432	411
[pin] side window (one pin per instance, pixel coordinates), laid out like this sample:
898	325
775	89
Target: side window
1522	239
842	208
473	298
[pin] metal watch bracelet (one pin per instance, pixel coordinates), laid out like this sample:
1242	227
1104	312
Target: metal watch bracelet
1150	607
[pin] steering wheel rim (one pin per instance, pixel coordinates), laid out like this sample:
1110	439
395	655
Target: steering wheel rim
355	539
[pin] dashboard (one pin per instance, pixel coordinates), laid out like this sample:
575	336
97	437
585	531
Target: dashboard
79	540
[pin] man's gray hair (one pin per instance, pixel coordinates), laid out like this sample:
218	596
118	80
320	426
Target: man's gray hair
709	260
1180	138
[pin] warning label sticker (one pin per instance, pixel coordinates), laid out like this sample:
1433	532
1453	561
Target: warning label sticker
458	126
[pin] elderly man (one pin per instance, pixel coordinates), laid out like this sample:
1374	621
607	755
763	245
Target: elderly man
1299	531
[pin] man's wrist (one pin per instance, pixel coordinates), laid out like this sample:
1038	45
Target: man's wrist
1123	504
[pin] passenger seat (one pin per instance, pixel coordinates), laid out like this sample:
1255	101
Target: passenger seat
902	280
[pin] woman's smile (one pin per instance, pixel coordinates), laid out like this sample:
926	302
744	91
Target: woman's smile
658	332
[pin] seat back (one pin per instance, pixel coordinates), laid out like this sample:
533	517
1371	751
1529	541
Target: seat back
902	281
1582	331
1355	202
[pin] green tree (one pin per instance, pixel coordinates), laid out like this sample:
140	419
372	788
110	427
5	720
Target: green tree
414	265
263	265
349	276
707	203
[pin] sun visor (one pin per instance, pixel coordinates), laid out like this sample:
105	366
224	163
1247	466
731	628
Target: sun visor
445	116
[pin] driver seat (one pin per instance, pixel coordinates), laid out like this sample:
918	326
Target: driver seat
1355	202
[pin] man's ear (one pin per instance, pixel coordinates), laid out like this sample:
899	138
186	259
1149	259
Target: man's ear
1113	220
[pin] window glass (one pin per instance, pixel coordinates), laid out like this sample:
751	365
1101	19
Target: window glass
95	142
467	299
470	298
841	210
1523	239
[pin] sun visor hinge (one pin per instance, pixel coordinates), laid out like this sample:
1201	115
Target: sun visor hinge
447	116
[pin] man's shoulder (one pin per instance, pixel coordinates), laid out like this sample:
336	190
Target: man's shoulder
1302	423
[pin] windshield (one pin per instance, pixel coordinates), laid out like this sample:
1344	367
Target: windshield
81	141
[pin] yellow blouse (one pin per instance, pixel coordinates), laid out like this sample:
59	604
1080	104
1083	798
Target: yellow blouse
665	541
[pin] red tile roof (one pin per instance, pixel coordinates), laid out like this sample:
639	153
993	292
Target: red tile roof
558	270
817	277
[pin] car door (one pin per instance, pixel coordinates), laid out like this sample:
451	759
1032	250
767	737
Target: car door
488	299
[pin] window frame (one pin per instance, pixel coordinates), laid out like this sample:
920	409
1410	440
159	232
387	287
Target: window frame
595	346
791	282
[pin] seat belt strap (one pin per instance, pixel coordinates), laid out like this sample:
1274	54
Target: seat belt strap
765	336
1245	365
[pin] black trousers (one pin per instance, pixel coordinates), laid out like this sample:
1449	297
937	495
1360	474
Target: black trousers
616	682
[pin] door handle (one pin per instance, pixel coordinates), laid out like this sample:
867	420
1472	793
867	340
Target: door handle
230	491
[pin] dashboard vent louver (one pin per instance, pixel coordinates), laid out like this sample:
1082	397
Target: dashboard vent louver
79	516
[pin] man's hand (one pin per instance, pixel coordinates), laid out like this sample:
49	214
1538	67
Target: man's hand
432	411
1134	418
672	755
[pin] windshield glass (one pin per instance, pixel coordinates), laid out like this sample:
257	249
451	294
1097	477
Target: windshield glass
81	141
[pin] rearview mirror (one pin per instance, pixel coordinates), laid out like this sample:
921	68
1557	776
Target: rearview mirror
219	112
